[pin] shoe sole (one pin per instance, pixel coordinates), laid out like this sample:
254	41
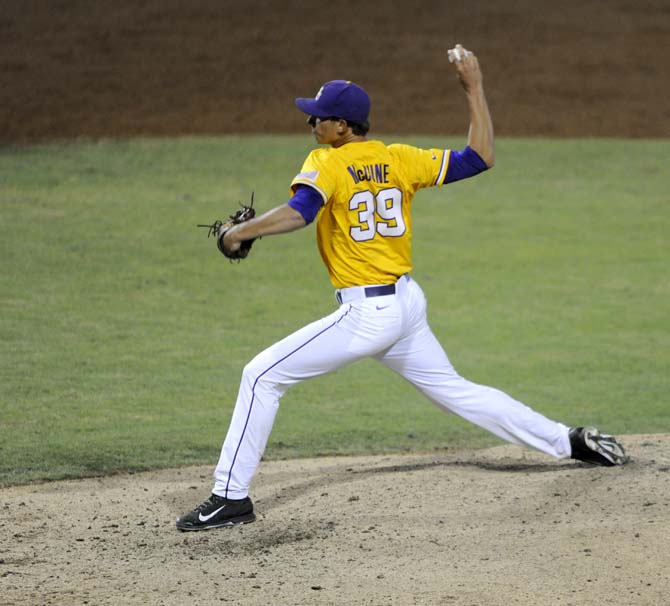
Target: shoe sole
245	519
606	446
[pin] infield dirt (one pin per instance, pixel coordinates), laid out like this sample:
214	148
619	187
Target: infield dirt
171	67
486	528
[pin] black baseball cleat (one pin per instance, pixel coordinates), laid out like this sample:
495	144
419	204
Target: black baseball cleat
591	446
218	511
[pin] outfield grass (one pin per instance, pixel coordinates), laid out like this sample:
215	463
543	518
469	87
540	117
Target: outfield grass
124	332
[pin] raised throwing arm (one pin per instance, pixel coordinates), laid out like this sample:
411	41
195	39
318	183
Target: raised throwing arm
480	133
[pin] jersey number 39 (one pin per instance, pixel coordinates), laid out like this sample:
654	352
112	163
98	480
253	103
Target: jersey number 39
380	214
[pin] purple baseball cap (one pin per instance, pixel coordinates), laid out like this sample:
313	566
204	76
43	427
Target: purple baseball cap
338	99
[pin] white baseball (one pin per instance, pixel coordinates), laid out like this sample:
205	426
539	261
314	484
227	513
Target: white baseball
454	55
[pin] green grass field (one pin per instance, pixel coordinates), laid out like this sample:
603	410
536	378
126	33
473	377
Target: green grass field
124	331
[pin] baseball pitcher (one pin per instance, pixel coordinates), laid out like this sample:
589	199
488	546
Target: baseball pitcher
359	193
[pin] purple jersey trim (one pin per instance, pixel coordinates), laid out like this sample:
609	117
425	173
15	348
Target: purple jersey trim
307	201
439	180
464	164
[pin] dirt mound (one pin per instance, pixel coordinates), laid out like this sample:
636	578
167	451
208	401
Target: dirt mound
494	527
170	67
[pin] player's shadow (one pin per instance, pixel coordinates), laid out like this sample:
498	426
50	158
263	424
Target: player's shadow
330	479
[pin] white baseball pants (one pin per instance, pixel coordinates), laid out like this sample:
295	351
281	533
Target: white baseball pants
392	329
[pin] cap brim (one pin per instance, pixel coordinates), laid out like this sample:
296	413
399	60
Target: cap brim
307	106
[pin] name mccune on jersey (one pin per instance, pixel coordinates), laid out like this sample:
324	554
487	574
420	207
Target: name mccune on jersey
379	173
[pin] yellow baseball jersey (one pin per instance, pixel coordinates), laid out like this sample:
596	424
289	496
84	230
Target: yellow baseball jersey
364	229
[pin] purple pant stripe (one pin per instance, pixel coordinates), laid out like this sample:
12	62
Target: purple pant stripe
253	392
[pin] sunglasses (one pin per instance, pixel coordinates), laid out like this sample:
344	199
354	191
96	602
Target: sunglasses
312	120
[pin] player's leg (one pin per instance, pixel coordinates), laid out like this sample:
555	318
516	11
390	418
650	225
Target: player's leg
349	334
420	359
321	347
354	331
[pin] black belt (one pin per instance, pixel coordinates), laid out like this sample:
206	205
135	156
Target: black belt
373	291
380	291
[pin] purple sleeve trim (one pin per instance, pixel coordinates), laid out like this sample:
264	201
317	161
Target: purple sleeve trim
464	164
307	201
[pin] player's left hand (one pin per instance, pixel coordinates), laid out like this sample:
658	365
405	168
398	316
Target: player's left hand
227	236
230	244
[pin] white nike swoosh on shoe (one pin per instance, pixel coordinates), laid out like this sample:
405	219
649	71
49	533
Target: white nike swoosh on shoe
209	516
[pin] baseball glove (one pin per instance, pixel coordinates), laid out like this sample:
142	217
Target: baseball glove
219	229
